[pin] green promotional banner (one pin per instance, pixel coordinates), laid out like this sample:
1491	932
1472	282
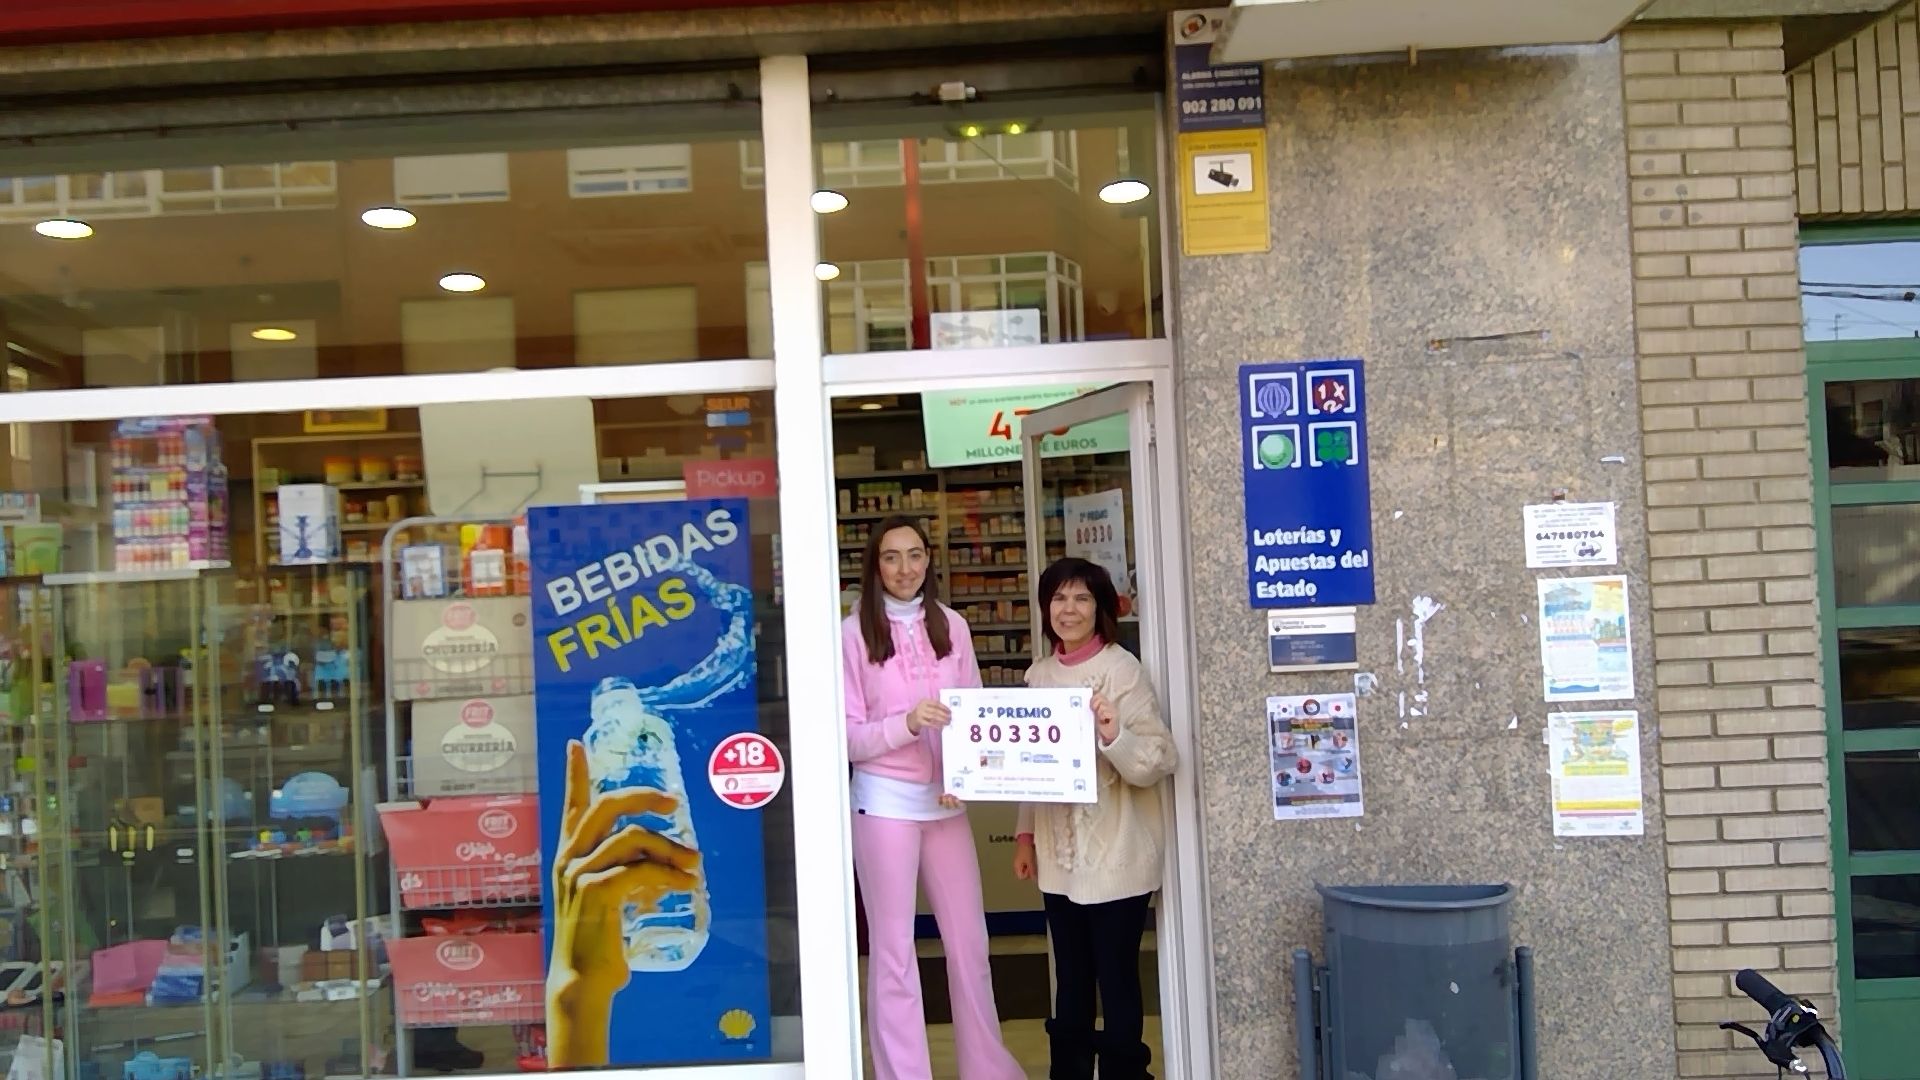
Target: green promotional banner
984	428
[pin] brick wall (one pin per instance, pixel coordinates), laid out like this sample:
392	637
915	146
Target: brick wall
1856	119
1730	523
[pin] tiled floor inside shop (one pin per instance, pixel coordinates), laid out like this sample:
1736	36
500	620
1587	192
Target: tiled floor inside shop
1022	1001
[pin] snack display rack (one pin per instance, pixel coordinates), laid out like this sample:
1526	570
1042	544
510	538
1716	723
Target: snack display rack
462	819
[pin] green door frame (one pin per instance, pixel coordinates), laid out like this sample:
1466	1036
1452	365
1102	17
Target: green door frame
1876	1013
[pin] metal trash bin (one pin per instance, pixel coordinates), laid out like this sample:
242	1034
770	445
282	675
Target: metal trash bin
1421	983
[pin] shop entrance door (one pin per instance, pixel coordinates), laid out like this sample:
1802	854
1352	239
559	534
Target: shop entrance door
1091	485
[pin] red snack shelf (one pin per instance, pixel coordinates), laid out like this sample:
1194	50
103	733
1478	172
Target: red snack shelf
467	851
468	979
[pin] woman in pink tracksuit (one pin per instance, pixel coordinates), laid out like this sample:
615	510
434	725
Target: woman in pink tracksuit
903	647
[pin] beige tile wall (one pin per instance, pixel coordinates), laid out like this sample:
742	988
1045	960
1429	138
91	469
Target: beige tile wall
1724	411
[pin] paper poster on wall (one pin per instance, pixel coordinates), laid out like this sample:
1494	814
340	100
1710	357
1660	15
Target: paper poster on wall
1586	651
1595	765
1096	527
1571	534
644	666
1313	748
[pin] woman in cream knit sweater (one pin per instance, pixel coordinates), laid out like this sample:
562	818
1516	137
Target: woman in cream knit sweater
1099	864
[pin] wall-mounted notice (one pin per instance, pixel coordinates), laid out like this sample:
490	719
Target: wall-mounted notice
1595	763
1313	748
1221	143
1571	534
1585	648
1303	446
1314	640
1213	98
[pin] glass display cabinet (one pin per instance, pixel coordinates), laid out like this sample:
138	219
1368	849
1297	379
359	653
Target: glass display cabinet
188	830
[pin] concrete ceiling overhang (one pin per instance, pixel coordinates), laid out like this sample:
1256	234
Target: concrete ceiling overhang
1257	30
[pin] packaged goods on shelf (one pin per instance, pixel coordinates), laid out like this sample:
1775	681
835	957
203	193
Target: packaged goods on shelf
465	851
447	981
473	746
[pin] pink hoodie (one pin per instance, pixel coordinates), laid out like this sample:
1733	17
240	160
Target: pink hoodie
880	697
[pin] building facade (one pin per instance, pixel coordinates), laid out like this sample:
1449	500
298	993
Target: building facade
879	252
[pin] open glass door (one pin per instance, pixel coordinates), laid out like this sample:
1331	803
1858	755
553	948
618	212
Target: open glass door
1089	487
1091	484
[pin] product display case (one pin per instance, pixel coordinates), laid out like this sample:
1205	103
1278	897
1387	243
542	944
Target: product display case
197	845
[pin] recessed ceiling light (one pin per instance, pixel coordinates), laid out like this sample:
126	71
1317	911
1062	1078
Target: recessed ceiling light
463	283
870	406
828	202
64	229
1125	191
826	271
389	217
273	333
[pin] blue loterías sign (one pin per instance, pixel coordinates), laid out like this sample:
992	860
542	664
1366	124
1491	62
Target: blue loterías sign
1303	446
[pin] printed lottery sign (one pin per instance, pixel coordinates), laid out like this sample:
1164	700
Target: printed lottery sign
746	771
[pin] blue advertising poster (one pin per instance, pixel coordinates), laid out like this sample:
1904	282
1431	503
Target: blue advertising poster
1303	439
655	898
1213	98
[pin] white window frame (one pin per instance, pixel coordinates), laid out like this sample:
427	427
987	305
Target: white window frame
642	177
154	200
804	381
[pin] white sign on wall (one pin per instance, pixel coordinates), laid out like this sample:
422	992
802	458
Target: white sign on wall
1571	534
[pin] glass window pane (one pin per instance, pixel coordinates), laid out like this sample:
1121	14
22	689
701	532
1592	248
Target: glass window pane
228	725
1850	292
1886	927
1882	812
1880	678
994	197
1873	430
1873	555
280	244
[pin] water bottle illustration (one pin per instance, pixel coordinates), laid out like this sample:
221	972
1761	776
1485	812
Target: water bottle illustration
630	745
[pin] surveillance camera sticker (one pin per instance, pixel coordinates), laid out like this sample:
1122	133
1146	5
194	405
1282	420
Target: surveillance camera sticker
1222	174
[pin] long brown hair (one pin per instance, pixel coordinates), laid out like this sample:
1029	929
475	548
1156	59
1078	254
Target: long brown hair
873	596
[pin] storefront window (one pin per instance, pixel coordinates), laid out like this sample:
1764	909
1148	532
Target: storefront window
276	801
1852	292
985	228
583	250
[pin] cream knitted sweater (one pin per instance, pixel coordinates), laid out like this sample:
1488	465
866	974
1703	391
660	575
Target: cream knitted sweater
1093	853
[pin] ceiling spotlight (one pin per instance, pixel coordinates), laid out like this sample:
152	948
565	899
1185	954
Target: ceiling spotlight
870	406
825	271
826	201
64	229
463	283
1121	192
273	333
1016	128
389	217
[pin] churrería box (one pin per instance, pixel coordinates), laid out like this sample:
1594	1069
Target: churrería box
474	746
476	647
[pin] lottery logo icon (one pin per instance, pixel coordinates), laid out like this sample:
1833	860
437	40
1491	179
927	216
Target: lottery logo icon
1272	395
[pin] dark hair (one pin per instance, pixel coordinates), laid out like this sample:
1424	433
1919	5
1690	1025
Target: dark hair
1106	599
873	596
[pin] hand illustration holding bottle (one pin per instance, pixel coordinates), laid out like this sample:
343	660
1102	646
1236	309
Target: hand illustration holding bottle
598	869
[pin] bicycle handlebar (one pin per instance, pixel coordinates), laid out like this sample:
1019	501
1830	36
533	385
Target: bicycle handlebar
1764	993
1790	1024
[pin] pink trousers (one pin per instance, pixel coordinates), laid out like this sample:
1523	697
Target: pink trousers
889	857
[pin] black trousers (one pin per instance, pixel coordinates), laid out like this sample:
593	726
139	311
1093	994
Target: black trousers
1096	950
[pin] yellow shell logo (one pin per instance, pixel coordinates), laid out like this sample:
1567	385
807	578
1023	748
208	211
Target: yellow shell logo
737	1024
